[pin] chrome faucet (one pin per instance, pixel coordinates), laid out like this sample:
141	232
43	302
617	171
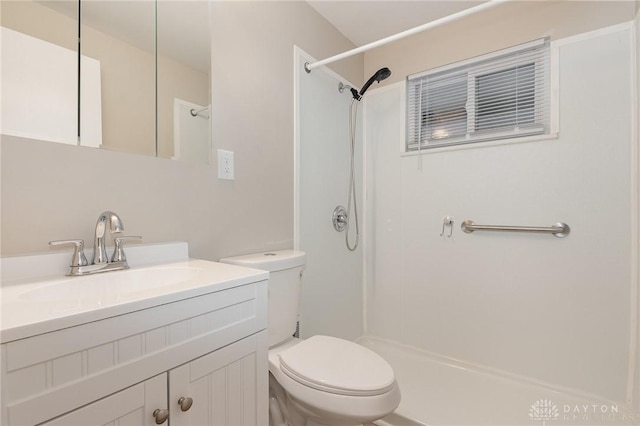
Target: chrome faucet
100	262
115	227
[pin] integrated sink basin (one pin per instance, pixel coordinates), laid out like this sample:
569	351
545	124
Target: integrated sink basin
35	305
101	289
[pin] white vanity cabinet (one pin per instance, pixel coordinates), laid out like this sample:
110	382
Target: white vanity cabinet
130	406
118	370
223	386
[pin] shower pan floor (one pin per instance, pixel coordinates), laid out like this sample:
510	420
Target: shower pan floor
439	392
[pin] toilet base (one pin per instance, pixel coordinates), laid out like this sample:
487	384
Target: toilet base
284	411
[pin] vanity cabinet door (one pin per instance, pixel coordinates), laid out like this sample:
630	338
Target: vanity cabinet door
131	406
227	387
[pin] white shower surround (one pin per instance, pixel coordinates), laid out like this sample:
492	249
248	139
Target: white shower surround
422	291
331	300
560	312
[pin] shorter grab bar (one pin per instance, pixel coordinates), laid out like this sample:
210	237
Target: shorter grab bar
559	229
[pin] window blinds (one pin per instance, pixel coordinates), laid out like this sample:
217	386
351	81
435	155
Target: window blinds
501	95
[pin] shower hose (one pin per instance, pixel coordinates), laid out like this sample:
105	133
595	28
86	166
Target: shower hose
352	198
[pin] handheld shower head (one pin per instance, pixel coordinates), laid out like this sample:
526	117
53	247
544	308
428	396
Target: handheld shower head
380	75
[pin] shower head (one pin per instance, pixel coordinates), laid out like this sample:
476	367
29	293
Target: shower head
380	75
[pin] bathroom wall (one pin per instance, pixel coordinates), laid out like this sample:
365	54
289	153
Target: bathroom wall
52	191
555	310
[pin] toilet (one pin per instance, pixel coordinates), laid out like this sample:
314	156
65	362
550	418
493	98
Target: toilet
321	380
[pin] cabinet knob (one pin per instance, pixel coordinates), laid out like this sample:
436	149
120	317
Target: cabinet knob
185	403
161	416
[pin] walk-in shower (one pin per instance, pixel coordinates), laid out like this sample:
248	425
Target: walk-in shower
460	316
342	216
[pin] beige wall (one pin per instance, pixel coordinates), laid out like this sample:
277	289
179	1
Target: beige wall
505	25
52	191
39	21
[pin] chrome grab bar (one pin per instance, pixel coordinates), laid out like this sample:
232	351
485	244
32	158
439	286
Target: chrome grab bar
559	229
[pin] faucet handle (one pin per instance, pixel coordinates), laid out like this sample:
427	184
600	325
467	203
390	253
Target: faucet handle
118	252
78	258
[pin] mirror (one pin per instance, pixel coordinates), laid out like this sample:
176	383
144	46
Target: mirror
184	81
39	72
145	79
120	36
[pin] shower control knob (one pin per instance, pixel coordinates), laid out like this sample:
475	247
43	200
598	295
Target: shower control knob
340	219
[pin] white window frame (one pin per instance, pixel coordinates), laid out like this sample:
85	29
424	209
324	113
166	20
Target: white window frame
542	128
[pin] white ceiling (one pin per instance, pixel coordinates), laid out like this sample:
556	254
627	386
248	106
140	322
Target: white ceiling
363	22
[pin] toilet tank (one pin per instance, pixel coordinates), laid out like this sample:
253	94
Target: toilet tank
285	281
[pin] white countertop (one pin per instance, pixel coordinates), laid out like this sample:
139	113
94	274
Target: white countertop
32	306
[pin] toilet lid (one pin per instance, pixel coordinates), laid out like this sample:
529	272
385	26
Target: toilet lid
337	366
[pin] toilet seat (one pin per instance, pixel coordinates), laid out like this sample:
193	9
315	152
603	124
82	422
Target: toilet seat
337	366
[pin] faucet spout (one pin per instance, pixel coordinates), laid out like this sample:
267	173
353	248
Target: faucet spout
115	227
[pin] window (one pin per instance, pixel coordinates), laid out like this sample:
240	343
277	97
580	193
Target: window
501	95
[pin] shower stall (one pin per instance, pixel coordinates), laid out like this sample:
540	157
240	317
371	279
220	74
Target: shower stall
483	328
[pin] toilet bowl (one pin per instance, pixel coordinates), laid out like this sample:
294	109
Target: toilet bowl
322	380
334	381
